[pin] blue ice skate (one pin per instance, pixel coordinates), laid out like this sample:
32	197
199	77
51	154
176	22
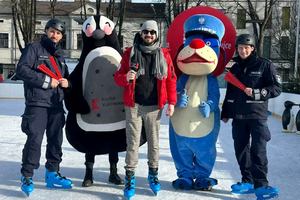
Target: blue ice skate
242	188
27	185
205	184
55	180
154	183
129	190
183	184
266	192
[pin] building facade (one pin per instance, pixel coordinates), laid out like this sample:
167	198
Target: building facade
72	14
278	40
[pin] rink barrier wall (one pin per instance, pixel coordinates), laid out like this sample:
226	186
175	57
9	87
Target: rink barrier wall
276	105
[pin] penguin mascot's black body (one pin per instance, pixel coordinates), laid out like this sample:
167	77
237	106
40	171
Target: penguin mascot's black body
96	117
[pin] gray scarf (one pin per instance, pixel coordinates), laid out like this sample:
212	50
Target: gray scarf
160	70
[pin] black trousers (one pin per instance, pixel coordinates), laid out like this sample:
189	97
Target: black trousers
35	121
250	143
112	156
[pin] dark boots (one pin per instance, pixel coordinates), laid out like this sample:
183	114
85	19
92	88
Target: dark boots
88	178
113	176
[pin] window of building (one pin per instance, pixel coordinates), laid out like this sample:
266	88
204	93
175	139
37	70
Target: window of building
241	19
3	40
79	41
63	42
90	10
284	47
286	15
267	47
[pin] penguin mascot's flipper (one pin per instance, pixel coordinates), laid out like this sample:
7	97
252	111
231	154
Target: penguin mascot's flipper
95	122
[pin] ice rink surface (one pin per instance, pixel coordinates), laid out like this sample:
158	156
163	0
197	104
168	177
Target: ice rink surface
283	152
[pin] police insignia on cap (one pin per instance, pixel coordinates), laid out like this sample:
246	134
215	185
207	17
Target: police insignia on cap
201	20
264	92
278	78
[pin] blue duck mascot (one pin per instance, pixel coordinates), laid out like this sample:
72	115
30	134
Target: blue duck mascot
96	119
195	125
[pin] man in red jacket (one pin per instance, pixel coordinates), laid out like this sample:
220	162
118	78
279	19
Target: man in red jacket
149	81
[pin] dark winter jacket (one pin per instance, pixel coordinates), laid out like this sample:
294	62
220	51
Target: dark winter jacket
37	85
260	75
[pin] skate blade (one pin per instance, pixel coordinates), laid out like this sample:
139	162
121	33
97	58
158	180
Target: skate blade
242	191
155	192
54	186
128	198
270	196
26	194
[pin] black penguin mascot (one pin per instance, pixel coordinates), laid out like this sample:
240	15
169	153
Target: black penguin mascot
96	119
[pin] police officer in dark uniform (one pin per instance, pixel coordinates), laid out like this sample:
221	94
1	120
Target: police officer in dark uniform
44	106
249	111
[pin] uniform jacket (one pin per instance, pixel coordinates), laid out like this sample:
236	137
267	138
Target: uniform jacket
257	73
166	87
37	85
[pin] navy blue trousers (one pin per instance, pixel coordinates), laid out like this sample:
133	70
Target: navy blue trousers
250	143
35	121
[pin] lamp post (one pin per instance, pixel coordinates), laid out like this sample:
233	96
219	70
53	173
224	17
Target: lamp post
297	40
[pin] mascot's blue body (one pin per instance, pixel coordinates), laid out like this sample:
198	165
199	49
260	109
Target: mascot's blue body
195	125
96	118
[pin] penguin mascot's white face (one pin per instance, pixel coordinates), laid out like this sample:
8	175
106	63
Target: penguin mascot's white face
104	24
98	31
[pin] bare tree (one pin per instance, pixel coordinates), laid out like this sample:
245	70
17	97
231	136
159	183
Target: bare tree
251	7
286	49
259	23
83	7
175	7
24	17
121	19
98	7
110	11
280	30
52	7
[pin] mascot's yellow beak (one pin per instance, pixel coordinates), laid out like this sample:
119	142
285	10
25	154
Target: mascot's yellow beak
197	58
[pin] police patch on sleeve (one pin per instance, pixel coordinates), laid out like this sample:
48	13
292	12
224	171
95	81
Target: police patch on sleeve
278	78
264	92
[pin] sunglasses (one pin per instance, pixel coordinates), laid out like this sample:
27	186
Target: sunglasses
151	32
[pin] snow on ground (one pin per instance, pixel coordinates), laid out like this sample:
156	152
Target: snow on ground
283	151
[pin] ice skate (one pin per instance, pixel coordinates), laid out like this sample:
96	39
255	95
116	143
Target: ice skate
129	190
27	185
266	192
55	180
153	181
242	188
